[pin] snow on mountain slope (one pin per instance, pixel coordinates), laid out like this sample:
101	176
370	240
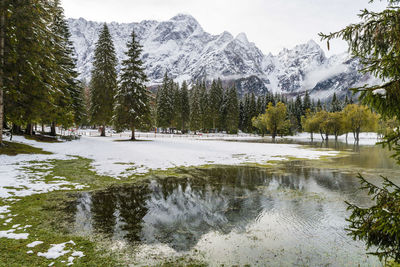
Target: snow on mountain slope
181	47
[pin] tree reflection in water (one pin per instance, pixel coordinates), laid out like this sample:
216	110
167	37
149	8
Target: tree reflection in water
179	211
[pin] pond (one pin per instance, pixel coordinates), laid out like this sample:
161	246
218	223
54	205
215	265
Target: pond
292	214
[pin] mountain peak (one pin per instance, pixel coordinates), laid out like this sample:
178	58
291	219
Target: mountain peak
185	17
311	42
242	38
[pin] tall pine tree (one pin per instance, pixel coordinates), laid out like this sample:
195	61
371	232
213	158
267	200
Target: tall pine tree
132	107
232	111
216	98
185	106
104	80
195	109
165	103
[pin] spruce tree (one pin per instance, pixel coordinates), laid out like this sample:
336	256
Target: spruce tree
298	111
241	115
29	61
68	102
232	111
185	106
195	109
306	103
177	107
260	106
336	106
216	98
3	7
132	107
204	107
165	103
104	80
252	112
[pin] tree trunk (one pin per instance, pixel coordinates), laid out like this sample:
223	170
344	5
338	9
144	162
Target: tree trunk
28	129
53	129
2	37
326	137
346	137
133	133
42	127
322	136
103	130
312	136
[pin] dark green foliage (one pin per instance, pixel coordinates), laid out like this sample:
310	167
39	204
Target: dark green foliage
206	119
215	102
29	59
104	80
378	225
185	106
375	41
39	75
195	109
232	111
336	105
132	107
298	111
165	103
306	103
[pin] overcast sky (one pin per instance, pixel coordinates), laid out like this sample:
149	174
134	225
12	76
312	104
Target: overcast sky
270	24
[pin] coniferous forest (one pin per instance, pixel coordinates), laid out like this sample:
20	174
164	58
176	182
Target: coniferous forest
46	62
114	168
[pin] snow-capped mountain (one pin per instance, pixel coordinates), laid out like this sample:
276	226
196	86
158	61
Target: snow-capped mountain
181	47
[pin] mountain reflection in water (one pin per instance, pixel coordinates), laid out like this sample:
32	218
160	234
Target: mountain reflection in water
303	207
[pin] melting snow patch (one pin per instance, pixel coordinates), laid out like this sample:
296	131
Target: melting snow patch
4	209
78	254
56	250
11	235
29	252
70	261
34	244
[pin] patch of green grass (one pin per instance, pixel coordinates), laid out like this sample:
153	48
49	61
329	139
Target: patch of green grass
13	149
79	170
42	138
183	262
51	222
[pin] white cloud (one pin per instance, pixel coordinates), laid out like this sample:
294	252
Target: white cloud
318	75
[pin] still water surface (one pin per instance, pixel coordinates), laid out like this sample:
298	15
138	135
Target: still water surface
293	214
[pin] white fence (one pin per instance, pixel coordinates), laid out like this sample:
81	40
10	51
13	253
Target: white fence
162	135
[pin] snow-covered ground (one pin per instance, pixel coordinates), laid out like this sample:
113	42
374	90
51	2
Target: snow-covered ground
113	158
118	159
365	138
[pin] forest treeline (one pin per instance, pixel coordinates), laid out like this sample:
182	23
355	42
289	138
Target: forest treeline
213	108
40	86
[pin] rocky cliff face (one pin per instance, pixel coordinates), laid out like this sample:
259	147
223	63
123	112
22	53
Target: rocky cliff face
181	47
